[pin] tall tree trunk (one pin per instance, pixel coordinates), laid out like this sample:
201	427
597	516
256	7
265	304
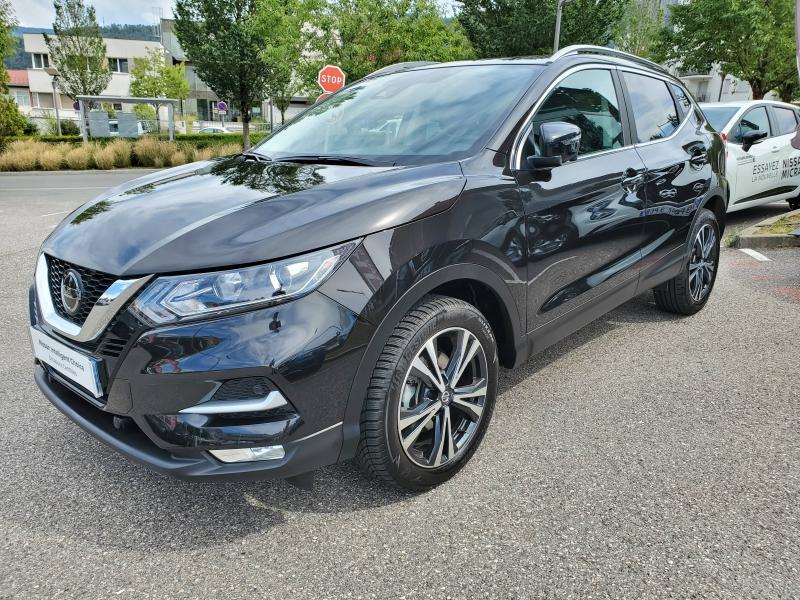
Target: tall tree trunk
721	85
283	116
246	130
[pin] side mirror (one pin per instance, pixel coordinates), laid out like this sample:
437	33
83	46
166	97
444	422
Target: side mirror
558	142
752	137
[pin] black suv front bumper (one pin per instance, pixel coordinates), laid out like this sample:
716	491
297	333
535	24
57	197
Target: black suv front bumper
307	349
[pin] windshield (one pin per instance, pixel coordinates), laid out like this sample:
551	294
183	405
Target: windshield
718	116
410	117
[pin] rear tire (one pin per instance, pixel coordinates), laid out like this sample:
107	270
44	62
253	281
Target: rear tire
431	395
688	292
794	203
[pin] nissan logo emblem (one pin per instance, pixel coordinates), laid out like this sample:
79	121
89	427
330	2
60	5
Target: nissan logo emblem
71	292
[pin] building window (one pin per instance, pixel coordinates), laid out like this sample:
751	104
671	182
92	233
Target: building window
21	97
118	65
40	61
117	106
36	103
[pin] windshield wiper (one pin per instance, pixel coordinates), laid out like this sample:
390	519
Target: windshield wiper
333	160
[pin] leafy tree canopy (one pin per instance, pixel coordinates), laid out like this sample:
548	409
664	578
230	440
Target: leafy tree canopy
641	24
7	45
526	27
280	25
152	76
362	36
77	50
752	40
221	39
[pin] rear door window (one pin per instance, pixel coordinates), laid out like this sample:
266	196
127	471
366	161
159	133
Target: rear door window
785	121
654	110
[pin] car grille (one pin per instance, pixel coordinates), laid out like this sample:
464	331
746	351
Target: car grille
94	284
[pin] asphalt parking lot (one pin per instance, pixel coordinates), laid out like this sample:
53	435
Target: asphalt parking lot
644	456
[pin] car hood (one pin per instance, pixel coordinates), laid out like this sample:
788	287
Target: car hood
233	211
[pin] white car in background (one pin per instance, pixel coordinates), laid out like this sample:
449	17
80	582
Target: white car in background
214	130
762	166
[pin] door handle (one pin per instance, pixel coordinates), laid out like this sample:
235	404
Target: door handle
776	149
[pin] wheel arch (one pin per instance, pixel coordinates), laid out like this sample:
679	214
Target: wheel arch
716	204
472	283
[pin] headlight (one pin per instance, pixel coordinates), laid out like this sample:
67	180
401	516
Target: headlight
180	297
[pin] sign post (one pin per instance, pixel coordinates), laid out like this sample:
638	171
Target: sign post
222	109
331	79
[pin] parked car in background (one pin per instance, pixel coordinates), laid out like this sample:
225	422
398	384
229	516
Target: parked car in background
333	294
214	130
762	164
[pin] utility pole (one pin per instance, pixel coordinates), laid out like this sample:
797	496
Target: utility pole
53	72
559	10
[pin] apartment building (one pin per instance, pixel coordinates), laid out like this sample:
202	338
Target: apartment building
120	55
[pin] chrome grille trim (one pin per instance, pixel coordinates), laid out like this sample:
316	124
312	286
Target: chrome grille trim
101	314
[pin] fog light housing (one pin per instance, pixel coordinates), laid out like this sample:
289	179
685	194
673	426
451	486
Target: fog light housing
234	455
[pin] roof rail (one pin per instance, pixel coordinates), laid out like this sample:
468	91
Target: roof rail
402	66
588	49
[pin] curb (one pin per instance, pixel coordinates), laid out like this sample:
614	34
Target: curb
752	237
143	170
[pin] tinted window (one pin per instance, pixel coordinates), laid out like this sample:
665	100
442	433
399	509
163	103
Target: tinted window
753	120
654	110
586	99
719	116
436	114
784	120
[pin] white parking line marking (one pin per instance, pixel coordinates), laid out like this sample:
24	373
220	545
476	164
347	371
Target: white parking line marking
61	212
753	254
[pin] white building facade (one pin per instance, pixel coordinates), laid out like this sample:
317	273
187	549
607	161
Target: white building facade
120	54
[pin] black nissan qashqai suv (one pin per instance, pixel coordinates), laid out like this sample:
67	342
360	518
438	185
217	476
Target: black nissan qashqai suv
350	287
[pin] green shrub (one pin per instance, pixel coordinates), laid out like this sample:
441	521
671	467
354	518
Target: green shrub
12	123
70	128
30	128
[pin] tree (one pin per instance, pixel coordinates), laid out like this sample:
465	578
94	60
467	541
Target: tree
77	50
7	45
12	122
279	24
220	38
153	77
752	40
641	24
362	36
526	27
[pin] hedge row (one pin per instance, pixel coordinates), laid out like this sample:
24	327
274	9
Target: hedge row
32	155
198	140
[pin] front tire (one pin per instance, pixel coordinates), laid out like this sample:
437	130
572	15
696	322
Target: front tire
688	292
431	395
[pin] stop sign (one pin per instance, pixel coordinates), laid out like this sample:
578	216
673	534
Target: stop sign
331	78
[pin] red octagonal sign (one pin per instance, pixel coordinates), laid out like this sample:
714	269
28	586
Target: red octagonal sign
331	78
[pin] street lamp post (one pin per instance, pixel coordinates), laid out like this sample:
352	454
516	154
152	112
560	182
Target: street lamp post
53	72
559	9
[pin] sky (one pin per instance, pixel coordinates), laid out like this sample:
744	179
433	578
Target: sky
40	13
